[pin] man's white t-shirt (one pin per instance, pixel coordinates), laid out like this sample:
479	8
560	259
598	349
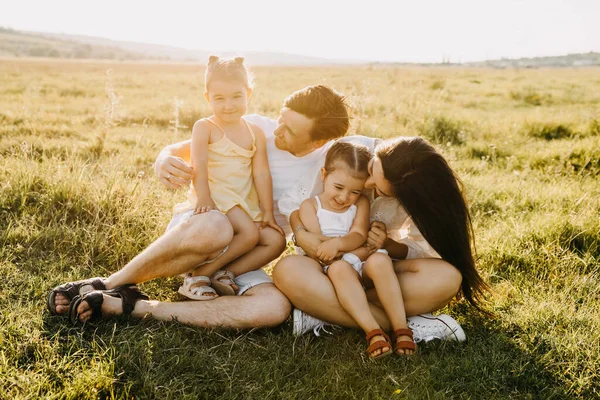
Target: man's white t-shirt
286	169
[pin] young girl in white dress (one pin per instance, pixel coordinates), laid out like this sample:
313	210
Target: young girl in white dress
341	213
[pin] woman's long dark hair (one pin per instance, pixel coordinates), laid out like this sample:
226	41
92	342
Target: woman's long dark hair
432	195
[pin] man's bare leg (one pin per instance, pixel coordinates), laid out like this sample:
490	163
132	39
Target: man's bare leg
261	306
430	285
179	250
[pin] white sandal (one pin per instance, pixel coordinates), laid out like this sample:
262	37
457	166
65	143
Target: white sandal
198	292
222	281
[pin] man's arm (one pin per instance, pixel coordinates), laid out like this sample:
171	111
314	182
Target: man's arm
172	165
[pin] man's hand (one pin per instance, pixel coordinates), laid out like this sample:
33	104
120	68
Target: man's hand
328	250
173	172
269	220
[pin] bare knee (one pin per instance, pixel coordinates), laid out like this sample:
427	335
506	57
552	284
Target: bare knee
271	307
278	243
378	264
339	269
249	236
207	232
287	270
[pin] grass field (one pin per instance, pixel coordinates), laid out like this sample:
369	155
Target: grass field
78	198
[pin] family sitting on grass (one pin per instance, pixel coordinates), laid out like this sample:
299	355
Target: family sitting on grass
382	230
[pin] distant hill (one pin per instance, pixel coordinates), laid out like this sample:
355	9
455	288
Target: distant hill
570	60
37	44
21	44
15	43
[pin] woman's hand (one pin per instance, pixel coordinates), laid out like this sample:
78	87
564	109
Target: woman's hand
376	236
173	172
328	250
269	220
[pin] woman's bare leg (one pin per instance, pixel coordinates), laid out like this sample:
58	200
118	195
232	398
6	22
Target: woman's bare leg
302	280
431	286
427	284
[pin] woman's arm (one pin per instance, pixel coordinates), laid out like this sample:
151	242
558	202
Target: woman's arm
262	180
172	165
199	153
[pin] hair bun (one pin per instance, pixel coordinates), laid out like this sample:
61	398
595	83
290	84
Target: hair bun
239	60
213	59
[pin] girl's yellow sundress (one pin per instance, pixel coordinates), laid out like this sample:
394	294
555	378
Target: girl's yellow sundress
229	177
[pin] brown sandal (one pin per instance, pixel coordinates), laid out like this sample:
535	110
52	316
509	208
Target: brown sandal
404	344
379	344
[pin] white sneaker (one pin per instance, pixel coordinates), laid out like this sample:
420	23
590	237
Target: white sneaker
427	327
304	323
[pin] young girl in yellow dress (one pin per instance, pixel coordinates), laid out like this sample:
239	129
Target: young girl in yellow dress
232	177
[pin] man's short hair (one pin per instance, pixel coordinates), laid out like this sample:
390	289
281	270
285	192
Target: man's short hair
325	107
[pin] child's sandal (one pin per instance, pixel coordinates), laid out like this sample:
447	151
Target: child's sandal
379	344
404	344
224	281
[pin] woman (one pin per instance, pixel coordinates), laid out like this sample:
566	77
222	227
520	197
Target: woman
420	217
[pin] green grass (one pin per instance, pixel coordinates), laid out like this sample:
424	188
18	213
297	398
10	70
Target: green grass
78	198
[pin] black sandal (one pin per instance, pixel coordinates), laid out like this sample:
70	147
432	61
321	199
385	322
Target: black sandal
130	294
72	289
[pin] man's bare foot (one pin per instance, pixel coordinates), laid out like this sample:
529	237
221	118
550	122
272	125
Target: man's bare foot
110	306
117	301
59	298
62	304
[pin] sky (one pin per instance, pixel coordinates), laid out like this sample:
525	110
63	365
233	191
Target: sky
373	30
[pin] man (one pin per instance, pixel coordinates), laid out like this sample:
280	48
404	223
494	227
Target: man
298	140
309	119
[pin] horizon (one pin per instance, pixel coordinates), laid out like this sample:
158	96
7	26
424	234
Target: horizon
465	31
